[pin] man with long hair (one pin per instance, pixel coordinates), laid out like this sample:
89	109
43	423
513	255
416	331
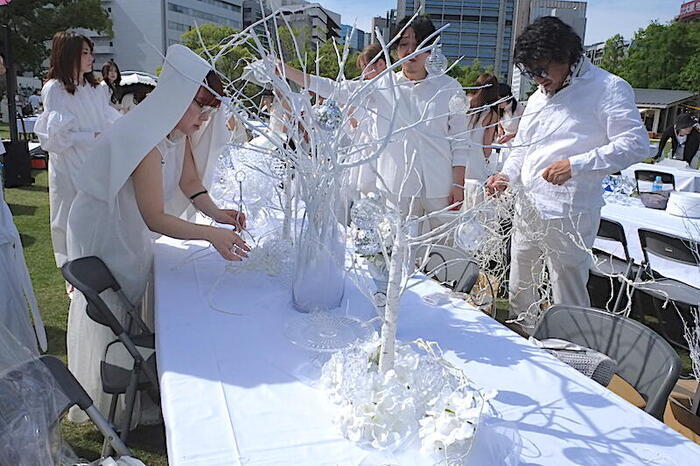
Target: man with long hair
580	125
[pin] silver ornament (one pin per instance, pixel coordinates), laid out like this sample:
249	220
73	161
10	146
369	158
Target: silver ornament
458	103
367	242
469	234
367	213
436	63
328	115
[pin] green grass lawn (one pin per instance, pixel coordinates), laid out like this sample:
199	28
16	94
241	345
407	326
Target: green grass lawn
30	209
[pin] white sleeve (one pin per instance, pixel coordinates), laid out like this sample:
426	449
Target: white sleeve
57	128
629	142
457	131
328	88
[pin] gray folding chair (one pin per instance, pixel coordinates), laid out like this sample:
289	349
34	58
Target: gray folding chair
35	395
644	359
660	291
450	266
604	283
90	276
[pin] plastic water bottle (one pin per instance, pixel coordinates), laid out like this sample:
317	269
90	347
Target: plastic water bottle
657	185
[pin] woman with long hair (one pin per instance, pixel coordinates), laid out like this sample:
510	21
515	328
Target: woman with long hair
111	83
510	112
150	170
481	128
75	112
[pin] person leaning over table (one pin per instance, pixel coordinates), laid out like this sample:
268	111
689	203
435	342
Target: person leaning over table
141	176
433	148
685	140
580	125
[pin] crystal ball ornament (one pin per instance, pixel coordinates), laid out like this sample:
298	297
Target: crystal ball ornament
469	234
262	71
436	63
367	242
367	213
458	103
328	115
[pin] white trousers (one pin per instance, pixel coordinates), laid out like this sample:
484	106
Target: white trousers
564	246
417	207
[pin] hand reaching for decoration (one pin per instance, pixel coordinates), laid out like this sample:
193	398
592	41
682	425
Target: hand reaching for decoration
497	183
558	172
231	217
231	246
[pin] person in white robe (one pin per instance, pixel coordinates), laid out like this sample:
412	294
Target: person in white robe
146	176
75	112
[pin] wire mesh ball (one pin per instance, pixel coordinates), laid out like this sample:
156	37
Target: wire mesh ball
436	63
367	242
328	115
458	103
367	213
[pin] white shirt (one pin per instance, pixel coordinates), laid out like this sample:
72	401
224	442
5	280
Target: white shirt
424	130
594	123
35	101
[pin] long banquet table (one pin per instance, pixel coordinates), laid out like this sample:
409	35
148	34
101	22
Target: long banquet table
687	179
635	216
232	393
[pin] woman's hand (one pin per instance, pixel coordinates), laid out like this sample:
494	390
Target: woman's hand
505	138
228	243
231	217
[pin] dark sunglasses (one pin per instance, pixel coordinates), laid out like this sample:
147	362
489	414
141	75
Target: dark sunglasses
539	72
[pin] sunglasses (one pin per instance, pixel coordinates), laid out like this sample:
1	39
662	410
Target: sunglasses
204	109
539	72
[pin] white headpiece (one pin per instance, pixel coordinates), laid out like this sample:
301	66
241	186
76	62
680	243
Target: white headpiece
119	150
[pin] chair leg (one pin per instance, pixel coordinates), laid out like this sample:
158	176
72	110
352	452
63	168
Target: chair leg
130	402
106	446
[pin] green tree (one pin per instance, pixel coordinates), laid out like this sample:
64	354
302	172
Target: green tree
468	74
662	56
213	40
613	54
34	22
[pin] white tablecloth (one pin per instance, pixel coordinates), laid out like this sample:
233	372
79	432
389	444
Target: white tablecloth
687	179
26	124
636	216
231	393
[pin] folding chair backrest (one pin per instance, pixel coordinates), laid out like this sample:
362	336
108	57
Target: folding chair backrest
90	276
612	230
448	265
644	359
669	247
649	176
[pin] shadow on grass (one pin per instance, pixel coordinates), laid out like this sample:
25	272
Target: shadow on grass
26	240
56	341
38	188
20	209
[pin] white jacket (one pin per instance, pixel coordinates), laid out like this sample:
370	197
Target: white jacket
594	123
425	131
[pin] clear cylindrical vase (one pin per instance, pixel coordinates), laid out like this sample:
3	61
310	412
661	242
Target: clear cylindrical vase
319	278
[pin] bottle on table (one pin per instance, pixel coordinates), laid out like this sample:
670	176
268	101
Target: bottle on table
657	185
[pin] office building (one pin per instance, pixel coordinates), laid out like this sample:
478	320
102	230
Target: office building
357	40
143	30
478	29
321	23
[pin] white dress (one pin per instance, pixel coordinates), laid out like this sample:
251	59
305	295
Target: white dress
66	129
17	298
123	241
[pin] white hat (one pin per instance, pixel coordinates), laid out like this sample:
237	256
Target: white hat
118	151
